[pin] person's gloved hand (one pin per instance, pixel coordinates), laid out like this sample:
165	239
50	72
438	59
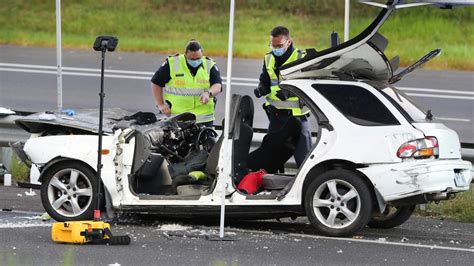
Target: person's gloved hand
257	93
261	91
283	95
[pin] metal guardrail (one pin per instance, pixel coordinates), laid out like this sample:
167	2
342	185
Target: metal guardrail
10	132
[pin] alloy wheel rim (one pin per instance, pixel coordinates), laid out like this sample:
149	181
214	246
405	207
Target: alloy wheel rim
70	192
336	203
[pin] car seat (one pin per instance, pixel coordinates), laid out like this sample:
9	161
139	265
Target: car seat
242	136
276	148
188	185
242	111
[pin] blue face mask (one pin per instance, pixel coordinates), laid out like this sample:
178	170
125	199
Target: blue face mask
194	63
278	51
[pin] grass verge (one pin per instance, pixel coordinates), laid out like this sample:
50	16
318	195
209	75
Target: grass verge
20	171
166	26
460	208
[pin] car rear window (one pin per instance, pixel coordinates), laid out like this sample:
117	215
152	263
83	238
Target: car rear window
402	101
357	104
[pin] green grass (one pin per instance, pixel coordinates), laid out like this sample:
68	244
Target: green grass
461	208
20	171
166	26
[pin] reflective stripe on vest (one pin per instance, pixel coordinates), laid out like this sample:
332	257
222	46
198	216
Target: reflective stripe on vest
291	103
204	118
183	90
288	105
284	104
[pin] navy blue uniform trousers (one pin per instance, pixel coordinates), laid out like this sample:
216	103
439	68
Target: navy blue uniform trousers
279	119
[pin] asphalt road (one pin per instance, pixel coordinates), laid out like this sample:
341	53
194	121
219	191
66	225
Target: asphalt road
28	83
421	241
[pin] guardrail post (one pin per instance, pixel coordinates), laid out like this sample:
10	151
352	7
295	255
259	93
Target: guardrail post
6	158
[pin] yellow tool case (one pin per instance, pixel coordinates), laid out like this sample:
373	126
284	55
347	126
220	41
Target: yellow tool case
82	232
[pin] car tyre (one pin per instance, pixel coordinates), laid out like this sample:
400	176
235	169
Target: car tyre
69	191
393	216
338	203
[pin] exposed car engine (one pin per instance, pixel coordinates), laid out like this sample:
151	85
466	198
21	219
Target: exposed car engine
180	136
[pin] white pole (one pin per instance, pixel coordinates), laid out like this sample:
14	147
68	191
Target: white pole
346	20
228	98
58	55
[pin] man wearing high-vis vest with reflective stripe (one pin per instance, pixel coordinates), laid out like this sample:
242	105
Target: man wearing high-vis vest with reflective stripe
281	105
188	83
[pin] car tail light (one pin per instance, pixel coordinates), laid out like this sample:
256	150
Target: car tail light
420	148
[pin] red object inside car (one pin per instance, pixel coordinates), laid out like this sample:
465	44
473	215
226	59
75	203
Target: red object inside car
252	182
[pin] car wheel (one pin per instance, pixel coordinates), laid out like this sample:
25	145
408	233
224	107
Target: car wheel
68	191
392	216
338	203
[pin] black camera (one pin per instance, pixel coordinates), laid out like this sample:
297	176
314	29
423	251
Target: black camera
105	42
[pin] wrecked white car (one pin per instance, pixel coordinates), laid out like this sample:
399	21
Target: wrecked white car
376	154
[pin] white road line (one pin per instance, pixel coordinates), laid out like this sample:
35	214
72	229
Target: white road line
142	75
67	73
148	74
362	241
389	243
25	66
435	90
453	119
441	96
23	225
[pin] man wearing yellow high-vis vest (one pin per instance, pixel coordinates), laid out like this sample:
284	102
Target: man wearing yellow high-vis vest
188	83
281	105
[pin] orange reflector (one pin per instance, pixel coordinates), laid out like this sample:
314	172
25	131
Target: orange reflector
104	152
426	152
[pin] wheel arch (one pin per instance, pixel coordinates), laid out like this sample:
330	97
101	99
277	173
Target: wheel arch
332	165
61	159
